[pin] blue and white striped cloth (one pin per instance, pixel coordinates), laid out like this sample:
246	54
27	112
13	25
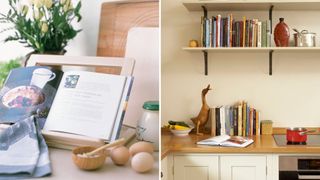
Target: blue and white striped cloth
23	151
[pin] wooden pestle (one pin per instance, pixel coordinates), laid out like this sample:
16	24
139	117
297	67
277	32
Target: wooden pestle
114	143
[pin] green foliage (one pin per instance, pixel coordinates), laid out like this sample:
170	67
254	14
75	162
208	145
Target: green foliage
44	25
6	67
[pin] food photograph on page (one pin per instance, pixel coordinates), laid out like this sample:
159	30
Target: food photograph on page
28	92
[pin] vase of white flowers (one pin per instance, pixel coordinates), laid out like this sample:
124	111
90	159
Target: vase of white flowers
43	25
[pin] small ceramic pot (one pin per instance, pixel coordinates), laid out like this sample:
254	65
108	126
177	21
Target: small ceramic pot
281	34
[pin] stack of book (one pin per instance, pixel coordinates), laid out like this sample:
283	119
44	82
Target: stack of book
238	120
220	31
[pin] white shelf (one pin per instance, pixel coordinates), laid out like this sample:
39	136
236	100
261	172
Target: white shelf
253	49
250	5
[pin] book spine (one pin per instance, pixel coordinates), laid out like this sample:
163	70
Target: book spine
264	34
268	33
207	33
247	33
259	43
244	32
244	118
213	121
231	121
227	120
228	31
218	124
258	122
233	34
221	32
250	33
218	30
213	39
222	121
235	120
254	122
201	32
248	120
251	122
231	30
240	119
210	33
241	44
115	135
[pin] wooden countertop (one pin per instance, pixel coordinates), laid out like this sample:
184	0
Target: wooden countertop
262	144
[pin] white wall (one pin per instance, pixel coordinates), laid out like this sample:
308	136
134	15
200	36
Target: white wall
85	42
291	97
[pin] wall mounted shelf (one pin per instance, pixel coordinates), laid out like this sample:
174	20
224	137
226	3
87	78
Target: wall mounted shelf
269	50
250	5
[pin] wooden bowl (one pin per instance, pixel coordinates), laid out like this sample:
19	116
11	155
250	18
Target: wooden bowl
85	162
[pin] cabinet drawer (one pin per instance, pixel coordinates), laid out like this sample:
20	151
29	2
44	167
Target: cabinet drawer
243	167
196	167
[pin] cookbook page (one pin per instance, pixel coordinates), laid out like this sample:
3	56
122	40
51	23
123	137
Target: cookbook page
217	140
28	91
86	103
238	141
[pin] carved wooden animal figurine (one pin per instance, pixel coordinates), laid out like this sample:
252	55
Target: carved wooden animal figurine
203	116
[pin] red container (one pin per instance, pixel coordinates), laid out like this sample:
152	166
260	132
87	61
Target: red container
296	135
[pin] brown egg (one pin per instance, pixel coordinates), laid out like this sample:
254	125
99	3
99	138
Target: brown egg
142	162
120	155
141	146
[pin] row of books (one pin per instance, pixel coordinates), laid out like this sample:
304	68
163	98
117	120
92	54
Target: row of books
220	31
238	120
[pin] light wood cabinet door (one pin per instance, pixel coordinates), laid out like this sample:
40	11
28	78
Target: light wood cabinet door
243	167
196	167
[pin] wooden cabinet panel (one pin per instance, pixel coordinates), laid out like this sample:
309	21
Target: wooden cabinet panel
196	167
243	167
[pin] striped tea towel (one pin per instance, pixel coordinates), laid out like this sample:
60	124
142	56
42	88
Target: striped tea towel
23	151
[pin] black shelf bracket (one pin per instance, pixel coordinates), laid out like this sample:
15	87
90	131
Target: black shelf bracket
270	62
270	17
205	58
271	51
205	11
205	53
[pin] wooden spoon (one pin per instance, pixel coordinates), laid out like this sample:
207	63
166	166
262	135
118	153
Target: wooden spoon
114	143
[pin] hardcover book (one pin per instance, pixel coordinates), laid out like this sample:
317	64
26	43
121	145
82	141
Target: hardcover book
228	141
76	102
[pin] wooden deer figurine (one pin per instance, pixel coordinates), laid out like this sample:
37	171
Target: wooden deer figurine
203	116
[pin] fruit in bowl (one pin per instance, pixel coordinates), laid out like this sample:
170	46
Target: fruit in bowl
180	128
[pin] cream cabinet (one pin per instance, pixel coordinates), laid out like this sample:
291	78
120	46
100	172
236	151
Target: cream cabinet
164	169
203	166
243	167
196	167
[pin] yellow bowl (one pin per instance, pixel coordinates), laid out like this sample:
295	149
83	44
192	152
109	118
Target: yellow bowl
181	132
85	162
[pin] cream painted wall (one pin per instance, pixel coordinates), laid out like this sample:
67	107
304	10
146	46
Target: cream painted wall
291	97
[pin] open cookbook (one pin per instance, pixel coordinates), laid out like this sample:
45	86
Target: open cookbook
76	102
225	140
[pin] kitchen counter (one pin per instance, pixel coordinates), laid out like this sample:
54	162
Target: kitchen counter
262	144
63	168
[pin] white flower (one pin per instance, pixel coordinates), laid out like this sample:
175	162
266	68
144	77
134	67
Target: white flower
38	3
48	3
37	15
44	28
